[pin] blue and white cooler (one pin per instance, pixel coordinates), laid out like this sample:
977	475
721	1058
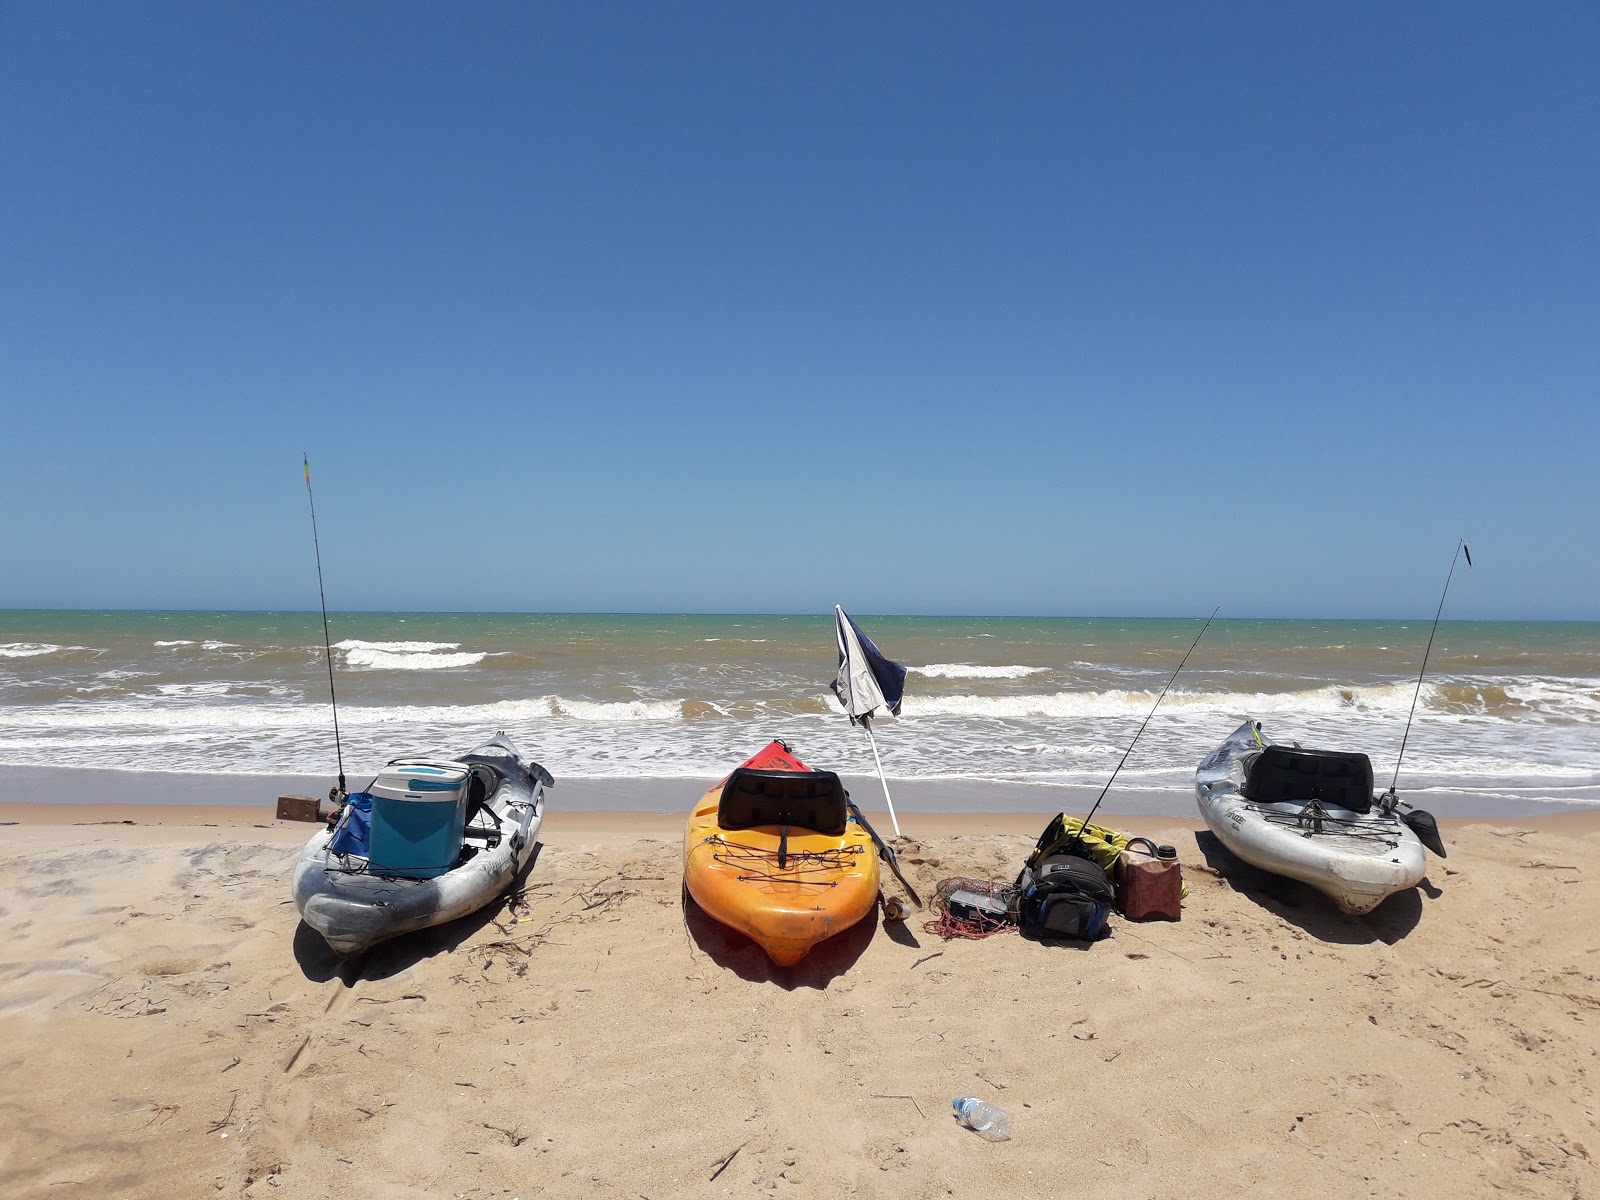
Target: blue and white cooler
419	812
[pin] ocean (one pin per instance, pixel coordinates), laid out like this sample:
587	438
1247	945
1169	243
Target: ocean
1509	714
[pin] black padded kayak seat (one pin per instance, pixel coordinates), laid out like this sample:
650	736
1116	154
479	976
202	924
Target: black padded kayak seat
1289	775
802	799
480	786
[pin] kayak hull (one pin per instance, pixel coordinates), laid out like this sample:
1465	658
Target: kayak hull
1357	859
354	908
787	890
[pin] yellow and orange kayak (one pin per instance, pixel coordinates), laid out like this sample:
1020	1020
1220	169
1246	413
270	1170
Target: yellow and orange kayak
774	852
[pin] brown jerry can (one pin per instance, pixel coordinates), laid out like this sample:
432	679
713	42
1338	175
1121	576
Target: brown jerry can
1149	881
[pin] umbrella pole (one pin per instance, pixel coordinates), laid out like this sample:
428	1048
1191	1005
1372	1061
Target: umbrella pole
866	723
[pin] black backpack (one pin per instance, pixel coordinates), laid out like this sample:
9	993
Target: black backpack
1064	896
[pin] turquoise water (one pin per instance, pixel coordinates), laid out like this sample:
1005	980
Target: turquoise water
1508	708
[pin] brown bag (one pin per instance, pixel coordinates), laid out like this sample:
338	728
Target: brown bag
1149	881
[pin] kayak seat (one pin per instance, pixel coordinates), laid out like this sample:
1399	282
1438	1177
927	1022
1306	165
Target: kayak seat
1290	775
480	786
806	799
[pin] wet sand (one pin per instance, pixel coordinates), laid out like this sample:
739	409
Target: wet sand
32	786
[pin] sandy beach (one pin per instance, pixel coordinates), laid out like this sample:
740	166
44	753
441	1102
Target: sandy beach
981	411
171	1030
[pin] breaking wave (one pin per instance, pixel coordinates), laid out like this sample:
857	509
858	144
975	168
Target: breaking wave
388	660
30	649
636	699
408	656
1119	703
396	647
624	710
971	671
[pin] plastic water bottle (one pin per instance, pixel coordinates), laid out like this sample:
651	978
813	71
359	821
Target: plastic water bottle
983	1118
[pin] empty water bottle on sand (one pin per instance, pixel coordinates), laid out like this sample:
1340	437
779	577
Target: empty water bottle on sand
983	1118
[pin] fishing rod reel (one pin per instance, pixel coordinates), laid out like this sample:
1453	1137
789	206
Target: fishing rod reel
1420	821
337	799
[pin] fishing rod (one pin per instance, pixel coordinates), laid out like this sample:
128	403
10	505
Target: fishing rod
338	749
1461	548
1077	838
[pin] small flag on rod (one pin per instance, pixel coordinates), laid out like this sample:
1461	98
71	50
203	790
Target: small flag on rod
867	681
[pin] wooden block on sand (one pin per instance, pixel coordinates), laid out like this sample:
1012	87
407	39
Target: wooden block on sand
299	808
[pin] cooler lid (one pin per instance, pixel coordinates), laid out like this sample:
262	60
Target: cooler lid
421	779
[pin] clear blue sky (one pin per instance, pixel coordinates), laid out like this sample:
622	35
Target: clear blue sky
1088	308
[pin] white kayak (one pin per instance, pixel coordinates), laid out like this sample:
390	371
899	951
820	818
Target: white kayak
354	903
1309	815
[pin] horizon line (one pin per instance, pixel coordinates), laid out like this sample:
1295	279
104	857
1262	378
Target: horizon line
819	615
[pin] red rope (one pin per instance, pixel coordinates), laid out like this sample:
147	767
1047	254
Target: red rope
947	927
976	927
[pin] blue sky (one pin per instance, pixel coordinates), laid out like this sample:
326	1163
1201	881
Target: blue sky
1026	308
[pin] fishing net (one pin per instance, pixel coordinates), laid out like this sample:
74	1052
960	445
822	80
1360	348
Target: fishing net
972	908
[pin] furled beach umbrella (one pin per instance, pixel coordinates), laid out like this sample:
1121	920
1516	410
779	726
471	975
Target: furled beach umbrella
867	682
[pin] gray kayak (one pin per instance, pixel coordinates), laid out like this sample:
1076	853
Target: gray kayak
355	905
1308	815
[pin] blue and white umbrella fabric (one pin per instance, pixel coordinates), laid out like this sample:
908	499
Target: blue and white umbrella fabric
867	682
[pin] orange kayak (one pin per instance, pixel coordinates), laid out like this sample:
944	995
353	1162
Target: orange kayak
773	852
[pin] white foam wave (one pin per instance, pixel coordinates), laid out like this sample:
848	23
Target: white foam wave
219	645
1516	797
222	689
396	647
1524	733
973	671
1197	710
1484	766
660	739
184	691
1552	695
393	660
625	710
29	649
174	642
158	713
1061	750
408	656
1116	702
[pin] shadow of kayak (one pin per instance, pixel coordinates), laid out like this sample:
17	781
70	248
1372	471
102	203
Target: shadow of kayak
1301	905
319	962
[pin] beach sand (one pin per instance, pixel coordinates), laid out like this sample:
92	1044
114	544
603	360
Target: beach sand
169	1029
